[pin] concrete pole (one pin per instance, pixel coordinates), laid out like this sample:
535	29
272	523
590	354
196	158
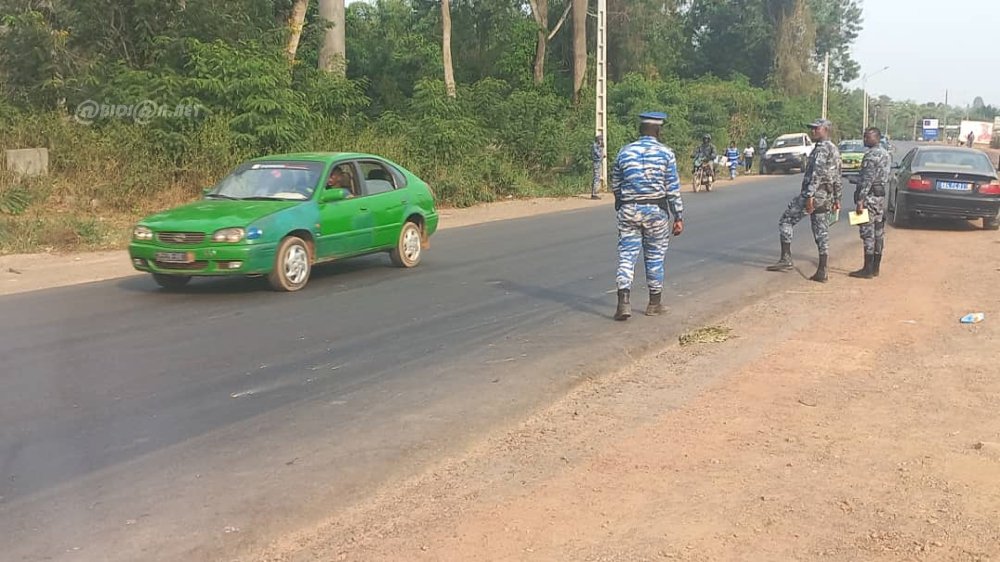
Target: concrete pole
601	105
826	85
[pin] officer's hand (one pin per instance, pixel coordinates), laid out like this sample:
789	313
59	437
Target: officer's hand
861	207
810	206
678	227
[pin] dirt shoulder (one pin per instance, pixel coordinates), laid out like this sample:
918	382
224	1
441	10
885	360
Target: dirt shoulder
849	421
31	272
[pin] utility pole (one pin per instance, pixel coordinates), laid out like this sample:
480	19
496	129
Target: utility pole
864	87
601	98
946	137
826	85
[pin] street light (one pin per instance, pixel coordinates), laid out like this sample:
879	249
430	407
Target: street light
864	88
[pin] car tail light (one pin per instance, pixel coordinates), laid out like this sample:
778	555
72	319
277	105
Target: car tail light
992	188
918	183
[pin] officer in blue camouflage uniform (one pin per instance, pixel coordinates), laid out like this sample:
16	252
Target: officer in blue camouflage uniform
870	194
646	186
821	192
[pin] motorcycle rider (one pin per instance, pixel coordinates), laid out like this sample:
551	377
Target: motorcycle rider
705	153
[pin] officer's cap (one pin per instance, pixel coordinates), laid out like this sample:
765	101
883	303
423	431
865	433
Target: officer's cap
653	117
820	123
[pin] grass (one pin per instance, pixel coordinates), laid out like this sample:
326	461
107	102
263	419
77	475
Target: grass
708	334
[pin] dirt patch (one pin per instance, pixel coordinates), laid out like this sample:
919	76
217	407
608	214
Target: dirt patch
849	421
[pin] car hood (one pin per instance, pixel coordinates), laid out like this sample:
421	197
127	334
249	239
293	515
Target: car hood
852	155
209	215
789	150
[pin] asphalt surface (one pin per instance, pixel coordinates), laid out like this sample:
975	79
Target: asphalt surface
142	424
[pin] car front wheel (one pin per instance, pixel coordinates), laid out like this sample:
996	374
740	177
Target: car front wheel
408	247
292	265
991	223
171	282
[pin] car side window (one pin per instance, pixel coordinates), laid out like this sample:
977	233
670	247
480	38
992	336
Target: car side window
377	178
343	176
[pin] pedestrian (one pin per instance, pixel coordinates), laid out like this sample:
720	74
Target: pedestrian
876	168
733	158
971	138
762	150
820	195
748	158
597	154
647	192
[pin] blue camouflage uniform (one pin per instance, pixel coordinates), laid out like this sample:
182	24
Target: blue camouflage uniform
646	185
733	155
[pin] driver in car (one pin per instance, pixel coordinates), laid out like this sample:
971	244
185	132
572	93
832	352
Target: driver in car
340	179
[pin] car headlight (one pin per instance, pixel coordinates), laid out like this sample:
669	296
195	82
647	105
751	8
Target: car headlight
230	235
142	233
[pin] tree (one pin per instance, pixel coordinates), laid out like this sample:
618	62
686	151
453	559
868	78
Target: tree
295	24
838	23
449	71
333	53
795	40
579	47
540	11
978	103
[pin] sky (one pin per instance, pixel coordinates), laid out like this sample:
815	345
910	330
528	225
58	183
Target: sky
931	46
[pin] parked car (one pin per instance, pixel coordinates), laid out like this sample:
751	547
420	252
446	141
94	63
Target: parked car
852	152
788	152
948	182
280	215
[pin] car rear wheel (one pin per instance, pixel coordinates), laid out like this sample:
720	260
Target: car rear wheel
407	252
900	216
991	224
292	265
171	281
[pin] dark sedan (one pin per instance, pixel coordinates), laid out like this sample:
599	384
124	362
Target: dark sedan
945	182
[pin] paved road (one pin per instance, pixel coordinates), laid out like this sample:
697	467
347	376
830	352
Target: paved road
139	424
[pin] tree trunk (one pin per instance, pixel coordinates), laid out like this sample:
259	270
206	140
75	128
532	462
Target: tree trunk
333	53
579	47
449	71
540	9
295	24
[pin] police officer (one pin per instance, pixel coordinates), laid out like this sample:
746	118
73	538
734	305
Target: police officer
870	194
646	186
821	192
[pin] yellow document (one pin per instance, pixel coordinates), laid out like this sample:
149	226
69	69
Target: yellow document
857	219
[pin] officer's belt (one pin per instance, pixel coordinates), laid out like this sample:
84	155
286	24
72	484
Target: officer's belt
658	201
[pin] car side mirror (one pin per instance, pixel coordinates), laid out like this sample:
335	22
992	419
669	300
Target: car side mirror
206	190
333	194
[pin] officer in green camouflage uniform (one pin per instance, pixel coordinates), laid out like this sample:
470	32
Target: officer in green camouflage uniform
821	193
870	194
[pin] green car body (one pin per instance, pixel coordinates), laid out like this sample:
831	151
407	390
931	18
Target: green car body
279	215
852	152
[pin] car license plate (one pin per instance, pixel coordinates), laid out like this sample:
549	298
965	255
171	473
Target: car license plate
779	158
175	257
954	186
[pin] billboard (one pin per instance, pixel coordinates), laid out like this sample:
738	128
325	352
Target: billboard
981	130
930	129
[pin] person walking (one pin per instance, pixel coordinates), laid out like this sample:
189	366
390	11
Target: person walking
748	159
869	194
821	193
647	192
733	159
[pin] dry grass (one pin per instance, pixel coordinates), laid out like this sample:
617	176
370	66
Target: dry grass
708	334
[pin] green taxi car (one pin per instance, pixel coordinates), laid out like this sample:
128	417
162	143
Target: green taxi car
852	152
280	215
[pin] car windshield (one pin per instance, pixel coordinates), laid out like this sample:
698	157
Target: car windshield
852	146
782	143
270	180
954	160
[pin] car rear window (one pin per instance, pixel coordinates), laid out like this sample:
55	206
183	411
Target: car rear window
954	160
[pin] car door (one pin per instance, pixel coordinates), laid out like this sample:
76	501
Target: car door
347	225
388	201
899	176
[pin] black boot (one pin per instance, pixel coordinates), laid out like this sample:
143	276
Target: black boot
876	264
867	271
820	275
785	261
654	308
624	307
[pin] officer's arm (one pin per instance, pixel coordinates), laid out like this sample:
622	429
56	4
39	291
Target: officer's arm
819	171
673	186
866	179
616	176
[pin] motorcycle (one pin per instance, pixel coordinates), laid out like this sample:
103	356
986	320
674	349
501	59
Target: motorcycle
703	175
